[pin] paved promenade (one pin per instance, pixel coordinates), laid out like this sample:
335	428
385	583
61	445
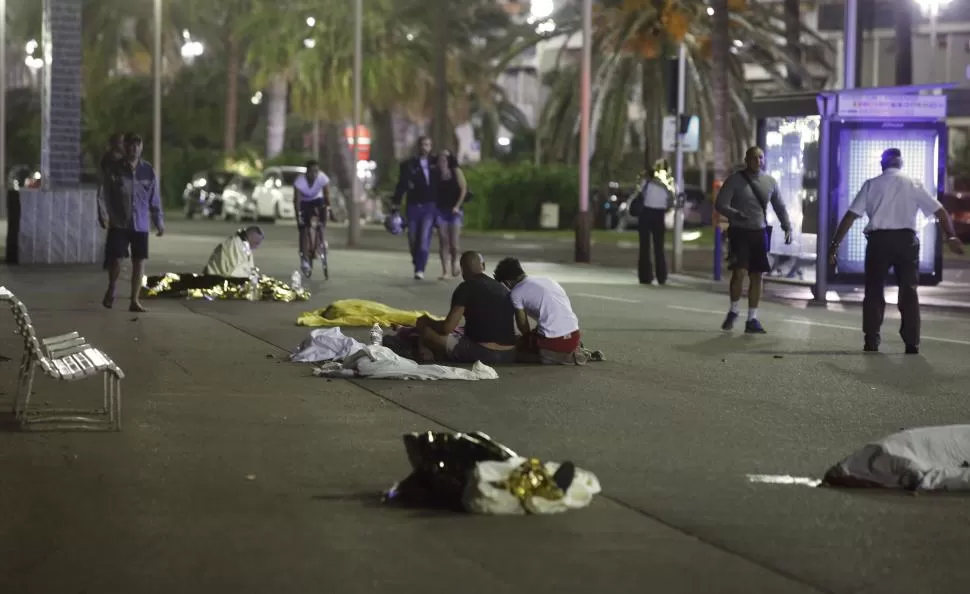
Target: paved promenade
238	472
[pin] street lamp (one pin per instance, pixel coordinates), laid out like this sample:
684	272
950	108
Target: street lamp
586	67
353	222
931	8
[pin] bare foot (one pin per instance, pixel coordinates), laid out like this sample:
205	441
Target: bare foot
109	299
136	307
444	276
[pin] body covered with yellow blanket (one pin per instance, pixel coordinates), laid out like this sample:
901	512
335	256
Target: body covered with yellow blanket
349	313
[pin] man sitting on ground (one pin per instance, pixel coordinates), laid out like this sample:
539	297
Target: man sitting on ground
483	302
555	339
233	258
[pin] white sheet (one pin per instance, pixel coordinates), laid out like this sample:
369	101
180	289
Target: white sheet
325	344
380	362
923	459
485	495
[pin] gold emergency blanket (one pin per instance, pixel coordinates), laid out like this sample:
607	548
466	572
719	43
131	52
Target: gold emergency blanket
204	286
359	313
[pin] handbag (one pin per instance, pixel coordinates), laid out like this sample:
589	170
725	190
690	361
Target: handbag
764	207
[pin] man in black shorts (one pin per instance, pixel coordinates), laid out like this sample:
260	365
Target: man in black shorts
489	334
128	207
744	200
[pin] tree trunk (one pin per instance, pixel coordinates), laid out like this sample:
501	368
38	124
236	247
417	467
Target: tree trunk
276	108
232	94
383	147
904	43
793	34
440	136
722	100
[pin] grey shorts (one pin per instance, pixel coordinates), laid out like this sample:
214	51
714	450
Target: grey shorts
462	350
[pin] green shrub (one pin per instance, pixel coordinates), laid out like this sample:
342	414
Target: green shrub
509	196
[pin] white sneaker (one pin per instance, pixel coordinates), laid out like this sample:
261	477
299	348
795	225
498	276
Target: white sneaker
418	276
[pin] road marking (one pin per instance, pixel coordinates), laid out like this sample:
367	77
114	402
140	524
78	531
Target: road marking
606	298
821	325
694	309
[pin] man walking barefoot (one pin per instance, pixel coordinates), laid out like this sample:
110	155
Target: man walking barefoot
130	204
744	200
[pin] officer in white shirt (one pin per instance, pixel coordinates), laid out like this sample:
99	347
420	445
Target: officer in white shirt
892	201
656	199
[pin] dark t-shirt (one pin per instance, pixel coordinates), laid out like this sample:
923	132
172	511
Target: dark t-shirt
489	316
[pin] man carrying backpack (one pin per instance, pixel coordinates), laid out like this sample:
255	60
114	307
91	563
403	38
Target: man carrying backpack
744	200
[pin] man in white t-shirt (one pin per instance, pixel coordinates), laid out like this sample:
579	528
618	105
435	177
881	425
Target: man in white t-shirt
892	201
311	199
555	339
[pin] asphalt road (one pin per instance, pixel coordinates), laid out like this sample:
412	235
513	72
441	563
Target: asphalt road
239	473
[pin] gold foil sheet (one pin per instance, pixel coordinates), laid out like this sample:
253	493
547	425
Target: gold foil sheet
198	286
531	480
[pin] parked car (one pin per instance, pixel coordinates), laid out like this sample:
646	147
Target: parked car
237	198
958	205
273	196
698	211
203	194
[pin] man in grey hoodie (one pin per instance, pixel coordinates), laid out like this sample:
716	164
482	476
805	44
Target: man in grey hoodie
744	200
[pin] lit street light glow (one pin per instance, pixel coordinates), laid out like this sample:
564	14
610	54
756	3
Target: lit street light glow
932	7
309	43
31	47
541	9
311	22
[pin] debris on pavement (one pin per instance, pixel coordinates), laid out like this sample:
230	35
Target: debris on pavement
472	472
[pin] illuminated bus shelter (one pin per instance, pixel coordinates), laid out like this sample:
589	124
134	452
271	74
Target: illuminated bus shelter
821	147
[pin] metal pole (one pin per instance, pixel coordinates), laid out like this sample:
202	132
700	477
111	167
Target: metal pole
353	218
851	44
679	160
157	92
583	222
934	48
821	288
3	101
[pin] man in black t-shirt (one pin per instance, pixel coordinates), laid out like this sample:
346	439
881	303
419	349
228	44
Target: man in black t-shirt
489	320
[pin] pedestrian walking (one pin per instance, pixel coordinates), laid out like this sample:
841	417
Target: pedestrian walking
418	180
743	200
129	205
452	192
654	201
892	201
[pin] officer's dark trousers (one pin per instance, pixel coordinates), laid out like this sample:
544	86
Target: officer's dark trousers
652	229
898	249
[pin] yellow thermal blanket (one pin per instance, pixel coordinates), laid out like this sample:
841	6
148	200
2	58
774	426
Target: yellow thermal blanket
359	313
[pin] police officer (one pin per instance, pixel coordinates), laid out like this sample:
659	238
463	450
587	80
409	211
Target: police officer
892	201
418	179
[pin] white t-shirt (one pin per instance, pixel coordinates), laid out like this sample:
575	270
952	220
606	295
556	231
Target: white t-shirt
545	301
308	192
892	201
655	195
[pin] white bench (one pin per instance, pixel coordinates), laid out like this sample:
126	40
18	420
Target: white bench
67	357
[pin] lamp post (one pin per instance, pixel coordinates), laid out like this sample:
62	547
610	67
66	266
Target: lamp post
353	218
583	222
539	10
157	94
931	8
3	99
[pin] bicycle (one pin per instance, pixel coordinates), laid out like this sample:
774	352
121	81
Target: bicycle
318	245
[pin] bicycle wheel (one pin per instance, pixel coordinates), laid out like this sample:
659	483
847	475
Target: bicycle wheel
322	252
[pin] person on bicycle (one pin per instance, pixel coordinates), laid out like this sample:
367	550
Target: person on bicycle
311	199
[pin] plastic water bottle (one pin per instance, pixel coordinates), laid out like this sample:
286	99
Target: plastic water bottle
376	335
296	280
254	286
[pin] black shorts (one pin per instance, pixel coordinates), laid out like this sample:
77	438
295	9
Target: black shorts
312	208
118	242
748	249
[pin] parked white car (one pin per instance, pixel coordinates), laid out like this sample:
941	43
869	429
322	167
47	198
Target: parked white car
273	196
237	198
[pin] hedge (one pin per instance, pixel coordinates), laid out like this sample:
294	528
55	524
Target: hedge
510	196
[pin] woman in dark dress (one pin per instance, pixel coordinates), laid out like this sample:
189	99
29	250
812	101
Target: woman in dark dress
452	189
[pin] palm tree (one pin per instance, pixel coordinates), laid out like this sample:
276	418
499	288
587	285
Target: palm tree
630	42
